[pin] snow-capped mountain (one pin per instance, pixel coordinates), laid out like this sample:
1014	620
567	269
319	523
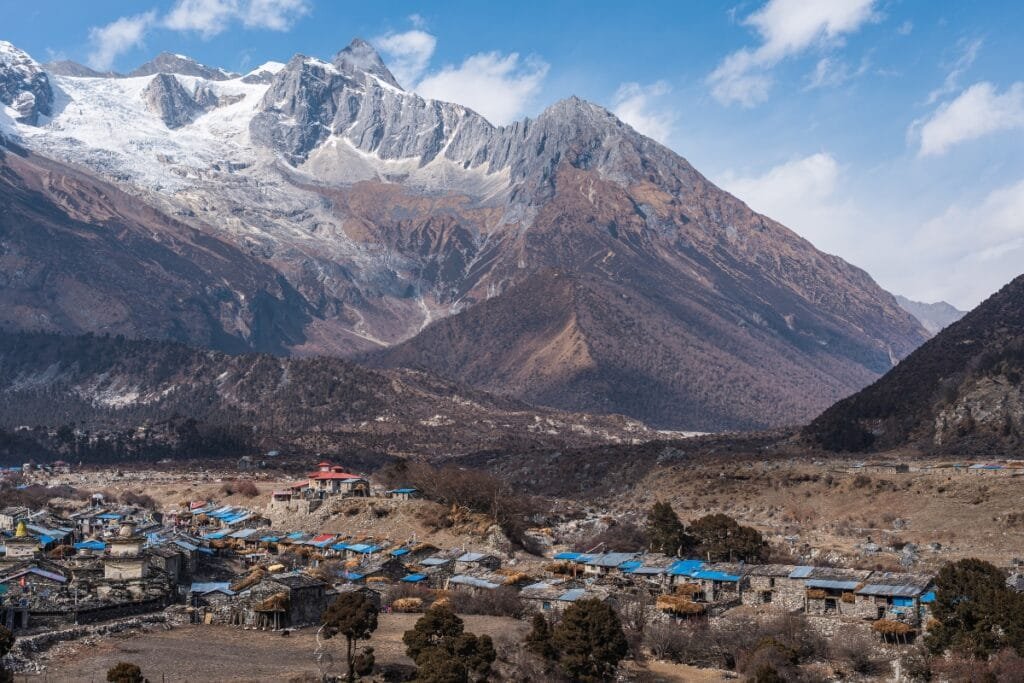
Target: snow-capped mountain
417	232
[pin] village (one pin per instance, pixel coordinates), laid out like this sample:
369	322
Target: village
257	566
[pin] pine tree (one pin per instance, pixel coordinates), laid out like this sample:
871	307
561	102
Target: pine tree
665	533
354	616
125	672
538	640
590	642
438	639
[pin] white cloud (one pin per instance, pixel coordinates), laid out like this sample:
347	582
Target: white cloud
637	105
498	86
978	111
799	194
786	28
968	53
206	17
830	72
973	249
210	18
116	38
409	53
275	15
906	28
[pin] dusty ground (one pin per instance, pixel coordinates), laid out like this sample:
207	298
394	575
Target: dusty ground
208	654
834	510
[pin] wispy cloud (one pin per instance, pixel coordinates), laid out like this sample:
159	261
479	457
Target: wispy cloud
786	28
207	18
117	37
408	53
640	106
498	86
968	52
978	111
832	72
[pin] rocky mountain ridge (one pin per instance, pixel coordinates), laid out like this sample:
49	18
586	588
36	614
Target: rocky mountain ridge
961	392
394	218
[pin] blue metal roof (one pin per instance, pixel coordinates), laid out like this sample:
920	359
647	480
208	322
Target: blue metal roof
630	566
801	572
216	535
398	552
211	587
186	545
352	576
270	539
403	491
91	545
710	575
684	567
295	535
109	515
567	556
928	597
415	578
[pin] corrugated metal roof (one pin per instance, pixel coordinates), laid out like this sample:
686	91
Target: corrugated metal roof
652	571
415	578
801	572
211	587
91	545
572	595
883	589
398	552
473	581
928	597
471	557
609	560
684	567
435	561
834	585
566	556
630	566
710	575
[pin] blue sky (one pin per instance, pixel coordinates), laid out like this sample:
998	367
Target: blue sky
888	132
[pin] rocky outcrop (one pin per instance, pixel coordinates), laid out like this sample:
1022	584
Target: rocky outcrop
176	107
24	85
169	63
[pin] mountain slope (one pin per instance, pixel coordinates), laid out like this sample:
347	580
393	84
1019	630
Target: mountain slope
933	317
114	384
386	213
79	255
960	392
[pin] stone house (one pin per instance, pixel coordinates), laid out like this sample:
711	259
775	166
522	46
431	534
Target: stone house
473	561
771	584
832	592
895	596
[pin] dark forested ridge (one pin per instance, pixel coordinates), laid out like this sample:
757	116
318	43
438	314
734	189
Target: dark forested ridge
960	392
206	402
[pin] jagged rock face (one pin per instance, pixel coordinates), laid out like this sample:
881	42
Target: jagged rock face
24	86
934	317
360	58
168	63
176	107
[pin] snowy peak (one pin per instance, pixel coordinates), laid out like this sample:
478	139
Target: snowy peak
66	67
360	57
169	63
24	86
263	74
